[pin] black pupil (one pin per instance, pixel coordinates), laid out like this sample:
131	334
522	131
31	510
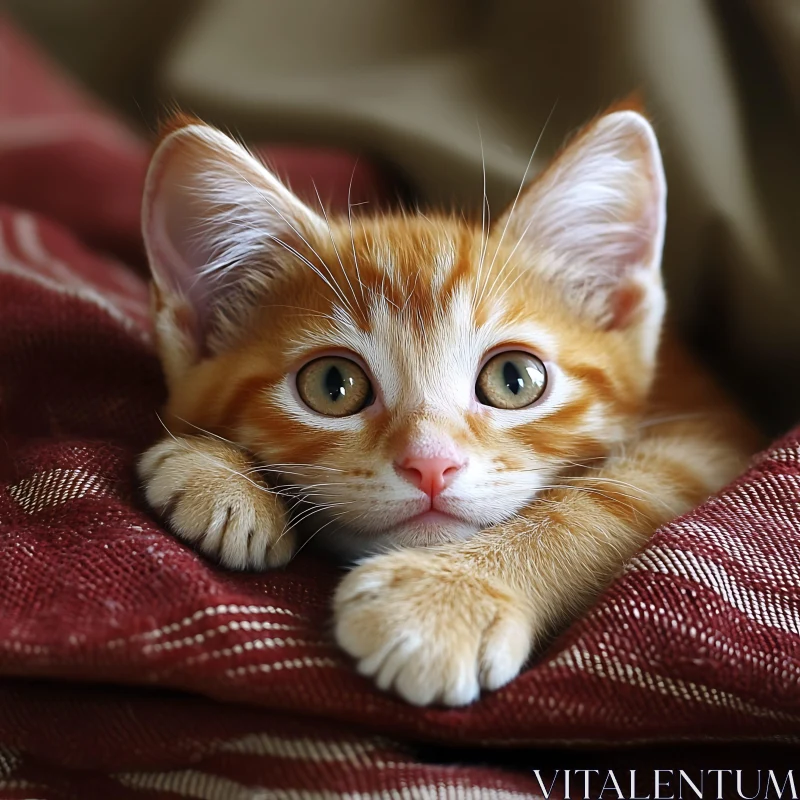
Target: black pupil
513	380
335	384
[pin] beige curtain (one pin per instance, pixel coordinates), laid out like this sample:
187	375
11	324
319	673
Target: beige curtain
422	82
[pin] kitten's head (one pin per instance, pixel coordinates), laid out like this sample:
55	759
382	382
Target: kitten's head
411	379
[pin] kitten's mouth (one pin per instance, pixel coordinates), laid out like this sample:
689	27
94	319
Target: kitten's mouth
430	527
432	517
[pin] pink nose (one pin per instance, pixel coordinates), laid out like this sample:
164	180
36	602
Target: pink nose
432	474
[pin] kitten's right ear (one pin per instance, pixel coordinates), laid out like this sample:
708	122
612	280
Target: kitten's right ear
593	226
216	226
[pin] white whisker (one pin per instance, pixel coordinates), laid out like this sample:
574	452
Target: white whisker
485	220
352	236
516	200
335	248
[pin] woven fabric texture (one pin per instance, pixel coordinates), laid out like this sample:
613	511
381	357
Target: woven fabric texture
698	641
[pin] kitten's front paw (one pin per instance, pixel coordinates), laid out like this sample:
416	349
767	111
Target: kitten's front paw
201	488
424	625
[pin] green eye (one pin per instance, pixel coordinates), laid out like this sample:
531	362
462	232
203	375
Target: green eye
334	386
511	380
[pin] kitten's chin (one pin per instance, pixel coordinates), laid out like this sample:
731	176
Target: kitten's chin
431	528
425	530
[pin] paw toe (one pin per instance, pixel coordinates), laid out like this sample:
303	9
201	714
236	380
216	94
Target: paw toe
414	685
505	648
189	515
386	663
462	686
228	535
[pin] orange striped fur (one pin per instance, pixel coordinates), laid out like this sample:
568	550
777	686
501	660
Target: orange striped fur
548	501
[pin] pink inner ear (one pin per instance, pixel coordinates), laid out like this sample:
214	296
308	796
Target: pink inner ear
599	212
211	212
646	215
625	303
170	225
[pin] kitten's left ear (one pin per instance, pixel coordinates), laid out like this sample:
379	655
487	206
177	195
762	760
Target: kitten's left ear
219	229
593	223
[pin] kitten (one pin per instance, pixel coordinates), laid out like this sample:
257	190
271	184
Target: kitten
488	412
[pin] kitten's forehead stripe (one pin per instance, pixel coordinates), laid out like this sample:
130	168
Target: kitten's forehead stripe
384	256
443	262
462	267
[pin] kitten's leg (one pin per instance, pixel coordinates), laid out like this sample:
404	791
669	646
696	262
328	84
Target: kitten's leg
203	489
438	624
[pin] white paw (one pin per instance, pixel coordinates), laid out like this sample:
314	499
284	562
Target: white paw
428	628
201	487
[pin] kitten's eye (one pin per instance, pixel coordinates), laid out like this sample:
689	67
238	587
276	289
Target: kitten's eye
334	386
511	380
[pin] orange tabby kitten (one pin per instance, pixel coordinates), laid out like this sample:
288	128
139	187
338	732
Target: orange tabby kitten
489	414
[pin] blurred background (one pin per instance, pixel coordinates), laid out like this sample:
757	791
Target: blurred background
426	85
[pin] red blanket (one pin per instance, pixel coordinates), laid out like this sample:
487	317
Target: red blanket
134	668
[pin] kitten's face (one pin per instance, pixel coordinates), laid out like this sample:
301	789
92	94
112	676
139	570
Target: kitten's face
411	380
381	388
